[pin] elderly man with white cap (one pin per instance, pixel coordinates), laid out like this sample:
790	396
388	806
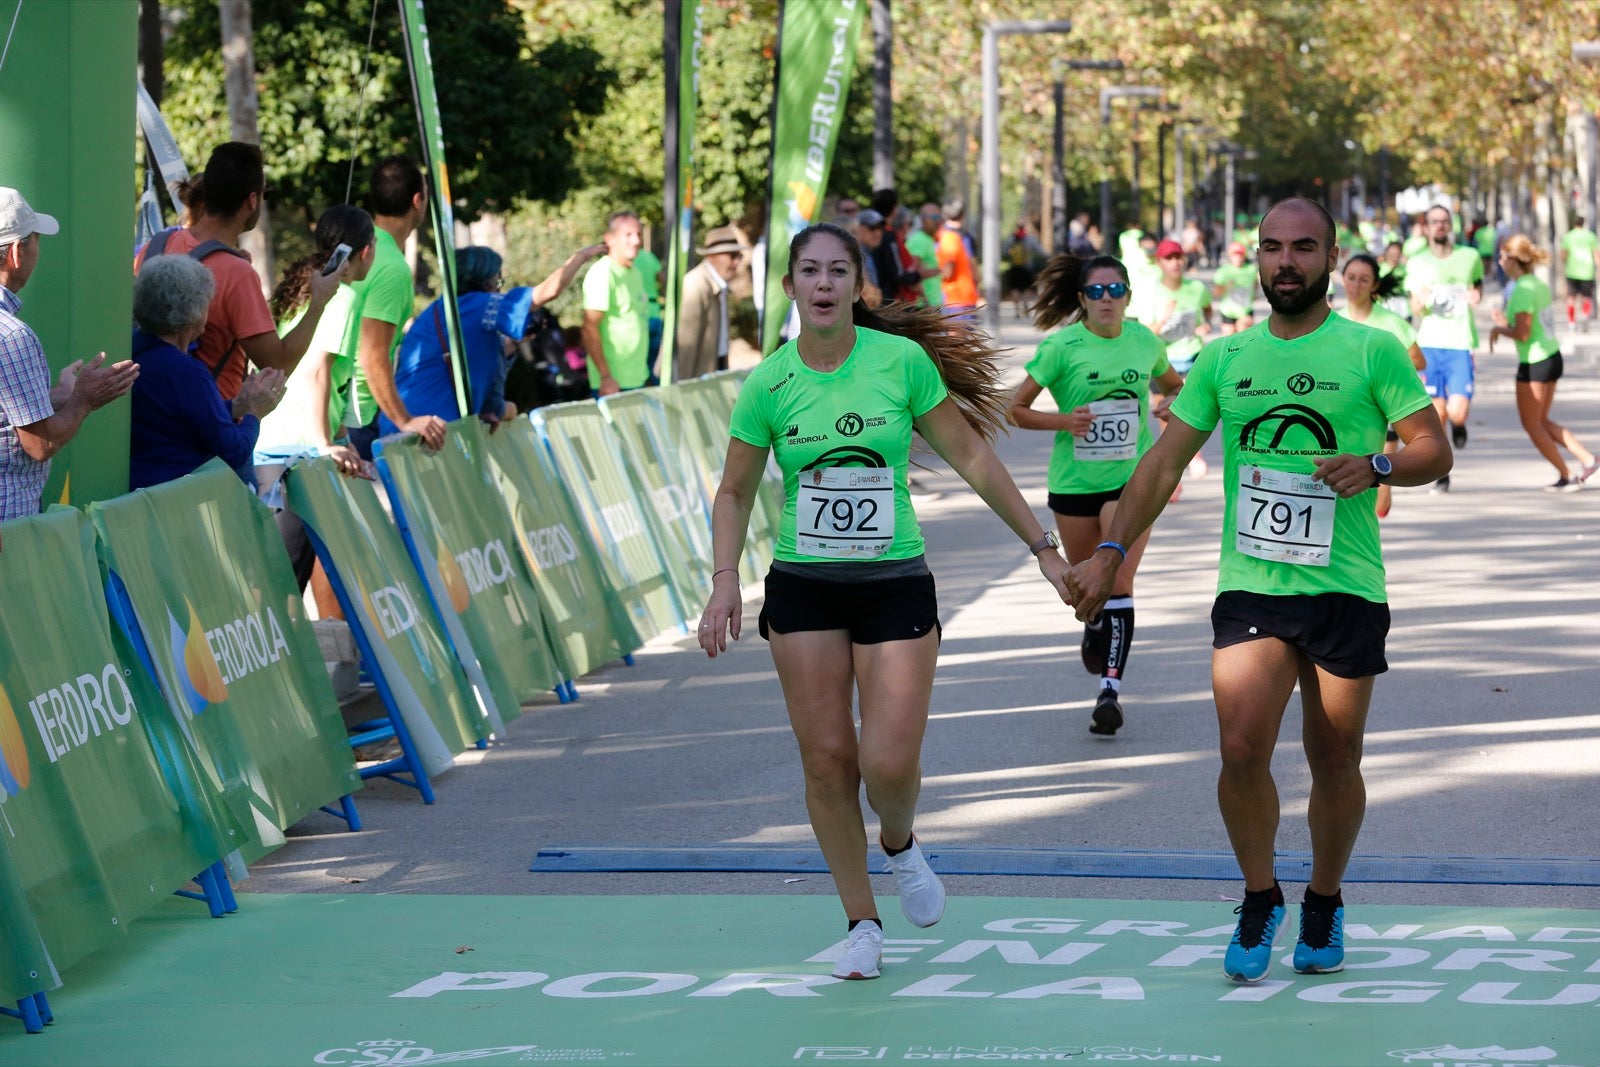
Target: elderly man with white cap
703	314
35	419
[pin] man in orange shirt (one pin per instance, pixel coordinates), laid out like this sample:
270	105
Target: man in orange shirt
955	263
239	325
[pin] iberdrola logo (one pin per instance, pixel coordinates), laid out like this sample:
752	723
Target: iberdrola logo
198	675
455	582
14	772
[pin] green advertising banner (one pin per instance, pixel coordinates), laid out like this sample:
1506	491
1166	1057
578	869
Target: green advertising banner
700	412
66	113
682	50
590	465
586	621
677	512
463	544
238	662
390	605
816	55
441	210
102	815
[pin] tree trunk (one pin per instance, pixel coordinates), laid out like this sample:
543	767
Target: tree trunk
239	73
152	52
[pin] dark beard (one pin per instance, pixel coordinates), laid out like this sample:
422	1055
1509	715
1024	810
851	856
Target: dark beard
1315	289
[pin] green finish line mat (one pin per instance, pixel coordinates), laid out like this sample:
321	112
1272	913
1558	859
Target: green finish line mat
708	981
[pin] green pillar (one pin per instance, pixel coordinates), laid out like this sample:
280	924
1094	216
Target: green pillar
67	143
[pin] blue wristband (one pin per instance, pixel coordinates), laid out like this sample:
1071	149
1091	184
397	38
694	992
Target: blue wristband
1112	544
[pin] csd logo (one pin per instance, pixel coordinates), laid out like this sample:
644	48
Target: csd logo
1301	384
1130	376
849	424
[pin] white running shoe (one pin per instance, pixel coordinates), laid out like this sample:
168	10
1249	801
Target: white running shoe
863	954
921	892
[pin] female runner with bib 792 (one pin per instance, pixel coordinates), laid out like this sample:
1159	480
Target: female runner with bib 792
850	603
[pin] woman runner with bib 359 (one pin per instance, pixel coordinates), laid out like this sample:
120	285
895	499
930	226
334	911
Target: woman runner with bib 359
1098	370
1528	322
850	603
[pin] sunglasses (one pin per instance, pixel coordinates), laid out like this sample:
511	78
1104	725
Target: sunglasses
1115	290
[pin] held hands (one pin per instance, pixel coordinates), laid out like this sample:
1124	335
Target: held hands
1055	569
724	614
1345	474
1089	584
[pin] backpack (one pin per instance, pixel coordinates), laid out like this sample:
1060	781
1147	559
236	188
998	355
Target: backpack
199	253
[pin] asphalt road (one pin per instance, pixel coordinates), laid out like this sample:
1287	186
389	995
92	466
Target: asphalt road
1484	737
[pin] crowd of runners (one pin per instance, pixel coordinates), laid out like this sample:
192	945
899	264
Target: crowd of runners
1320	412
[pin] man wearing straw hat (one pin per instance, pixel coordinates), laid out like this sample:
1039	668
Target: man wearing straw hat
703	315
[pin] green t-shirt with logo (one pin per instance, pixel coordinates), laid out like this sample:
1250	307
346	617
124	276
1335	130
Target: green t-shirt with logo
921	245
1531	296
843	442
1578	248
1240	283
1282	405
1381	318
1188	302
648	264
1442	285
618	292
1080	367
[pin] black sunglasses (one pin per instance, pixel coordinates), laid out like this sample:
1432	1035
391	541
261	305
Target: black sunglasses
1115	290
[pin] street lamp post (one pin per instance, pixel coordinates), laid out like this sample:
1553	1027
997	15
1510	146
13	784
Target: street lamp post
1058	172
991	148
1108	94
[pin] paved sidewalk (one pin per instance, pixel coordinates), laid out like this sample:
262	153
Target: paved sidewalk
1484	737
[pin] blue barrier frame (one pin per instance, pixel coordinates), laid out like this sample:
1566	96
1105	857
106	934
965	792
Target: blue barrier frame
216	891
563	689
34	1012
408	762
121	606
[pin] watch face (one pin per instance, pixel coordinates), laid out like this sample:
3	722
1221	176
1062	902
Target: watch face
1381	465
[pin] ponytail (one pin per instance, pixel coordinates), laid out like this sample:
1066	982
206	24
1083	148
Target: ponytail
338	225
1059	284
964	355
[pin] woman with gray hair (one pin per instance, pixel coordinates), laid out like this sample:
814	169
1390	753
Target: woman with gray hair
179	418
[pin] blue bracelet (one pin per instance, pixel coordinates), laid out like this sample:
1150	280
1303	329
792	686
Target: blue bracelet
1112	544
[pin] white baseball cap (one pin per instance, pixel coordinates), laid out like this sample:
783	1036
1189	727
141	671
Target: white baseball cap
18	220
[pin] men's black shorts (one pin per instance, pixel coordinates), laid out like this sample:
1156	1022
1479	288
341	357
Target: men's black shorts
1082	505
1341	633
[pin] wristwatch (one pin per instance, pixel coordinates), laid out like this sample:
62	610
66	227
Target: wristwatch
1049	540
1382	466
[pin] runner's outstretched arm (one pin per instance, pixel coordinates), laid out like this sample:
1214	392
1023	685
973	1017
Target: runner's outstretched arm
1146	493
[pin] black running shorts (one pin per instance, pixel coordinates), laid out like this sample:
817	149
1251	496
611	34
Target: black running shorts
888	609
1546	370
1082	505
1341	633
1580	287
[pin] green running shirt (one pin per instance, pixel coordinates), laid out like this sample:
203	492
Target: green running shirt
1080	367
1578	247
1241	283
1381	318
1442	284
827	431
1530	295
1282	405
1190	299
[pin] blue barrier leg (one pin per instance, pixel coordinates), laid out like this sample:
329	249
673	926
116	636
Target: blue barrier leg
209	893
230	904
572	690
34	1012
628	659
347	811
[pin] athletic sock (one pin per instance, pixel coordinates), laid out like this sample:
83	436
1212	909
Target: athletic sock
887	851
1118	615
857	922
1275	894
1113	684
1318	900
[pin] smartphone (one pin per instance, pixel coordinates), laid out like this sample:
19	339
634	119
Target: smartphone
336	261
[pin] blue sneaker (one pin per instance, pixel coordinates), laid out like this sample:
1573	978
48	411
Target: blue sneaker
1320	947
1249	955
